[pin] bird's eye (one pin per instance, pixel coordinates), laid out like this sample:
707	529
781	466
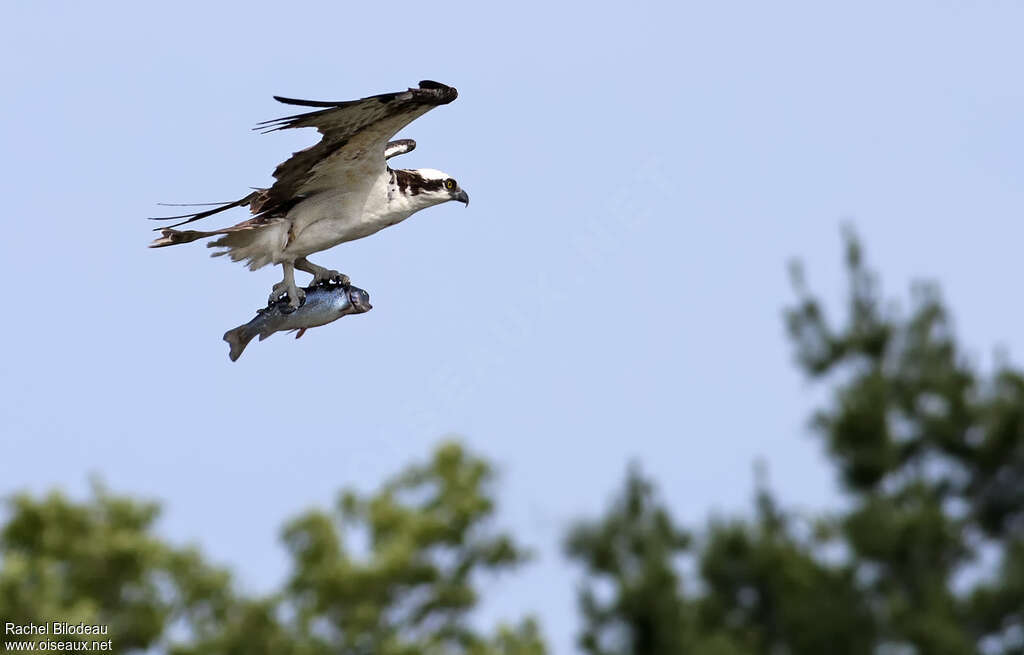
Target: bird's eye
449	184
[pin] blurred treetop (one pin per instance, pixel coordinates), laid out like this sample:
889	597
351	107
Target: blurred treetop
926	556
409	590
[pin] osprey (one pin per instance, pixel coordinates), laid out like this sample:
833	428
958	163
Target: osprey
338	190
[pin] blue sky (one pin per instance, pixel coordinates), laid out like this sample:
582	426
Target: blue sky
640	176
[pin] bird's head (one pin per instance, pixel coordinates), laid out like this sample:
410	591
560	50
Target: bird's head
427	186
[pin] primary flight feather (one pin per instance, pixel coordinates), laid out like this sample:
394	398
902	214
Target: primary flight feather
337	190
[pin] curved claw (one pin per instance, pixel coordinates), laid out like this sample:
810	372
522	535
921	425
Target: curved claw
331	278
293	295
321	275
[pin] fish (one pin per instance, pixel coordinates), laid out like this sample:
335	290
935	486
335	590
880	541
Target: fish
325	303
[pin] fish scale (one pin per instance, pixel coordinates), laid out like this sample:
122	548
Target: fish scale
324	303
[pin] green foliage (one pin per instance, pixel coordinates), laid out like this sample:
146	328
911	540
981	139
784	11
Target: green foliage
391	573
633	549
97	562
758	589
766	588
411	589
931	455
926	556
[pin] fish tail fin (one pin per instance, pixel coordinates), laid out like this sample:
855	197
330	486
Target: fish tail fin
238	339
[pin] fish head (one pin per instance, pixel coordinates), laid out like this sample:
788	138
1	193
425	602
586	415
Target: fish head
360	300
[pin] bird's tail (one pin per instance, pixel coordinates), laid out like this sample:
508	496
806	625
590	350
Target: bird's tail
171	237
238	339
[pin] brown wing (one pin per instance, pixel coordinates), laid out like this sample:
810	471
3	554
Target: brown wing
355	134
251	200
349	156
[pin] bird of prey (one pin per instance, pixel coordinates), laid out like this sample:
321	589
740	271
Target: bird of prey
337	190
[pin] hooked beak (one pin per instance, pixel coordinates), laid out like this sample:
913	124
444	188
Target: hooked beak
462	197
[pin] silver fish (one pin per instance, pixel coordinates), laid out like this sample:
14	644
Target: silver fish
324	304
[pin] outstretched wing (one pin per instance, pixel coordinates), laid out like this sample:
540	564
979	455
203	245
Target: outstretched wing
350	156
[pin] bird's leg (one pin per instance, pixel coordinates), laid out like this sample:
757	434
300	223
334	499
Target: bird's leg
287	286
320	274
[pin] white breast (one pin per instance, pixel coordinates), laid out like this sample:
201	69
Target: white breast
329	218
